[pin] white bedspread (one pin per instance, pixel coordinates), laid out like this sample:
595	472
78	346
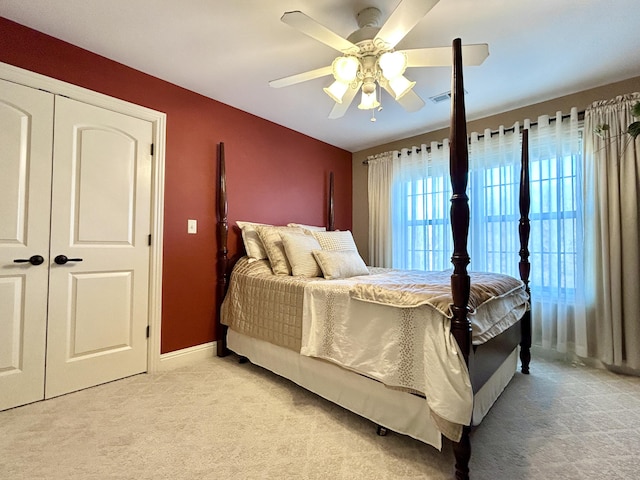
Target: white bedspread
408	348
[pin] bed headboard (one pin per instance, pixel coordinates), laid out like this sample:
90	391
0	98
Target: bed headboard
224	263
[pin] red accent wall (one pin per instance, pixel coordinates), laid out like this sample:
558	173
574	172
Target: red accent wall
274	175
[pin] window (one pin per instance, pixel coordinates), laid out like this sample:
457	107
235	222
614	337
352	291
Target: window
421	226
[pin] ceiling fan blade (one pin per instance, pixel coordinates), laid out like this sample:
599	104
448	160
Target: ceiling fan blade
313	29
301	77
472	55
339	109
406	15
410	101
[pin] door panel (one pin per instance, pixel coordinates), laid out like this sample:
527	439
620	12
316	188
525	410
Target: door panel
26	137
101	324
104	186
98	306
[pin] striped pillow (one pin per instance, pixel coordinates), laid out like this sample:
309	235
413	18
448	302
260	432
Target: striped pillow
298	248
340	240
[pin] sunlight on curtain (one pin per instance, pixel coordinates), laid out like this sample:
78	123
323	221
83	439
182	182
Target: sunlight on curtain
421	230
380	177
612	199
556	241
494	175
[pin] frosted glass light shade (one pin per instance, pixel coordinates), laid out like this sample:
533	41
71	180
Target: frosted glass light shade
368	101
336	90
393	64
345	69
400	86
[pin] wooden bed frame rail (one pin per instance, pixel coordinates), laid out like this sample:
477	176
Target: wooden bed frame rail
460	280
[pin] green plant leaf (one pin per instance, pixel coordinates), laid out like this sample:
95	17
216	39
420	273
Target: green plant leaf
634	129
635	110
600	130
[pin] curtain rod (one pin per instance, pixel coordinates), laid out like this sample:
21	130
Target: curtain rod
496	132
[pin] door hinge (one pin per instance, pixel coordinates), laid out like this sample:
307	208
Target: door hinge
148	330
149	239
152	149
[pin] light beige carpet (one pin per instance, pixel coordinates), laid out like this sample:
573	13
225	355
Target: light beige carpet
222	420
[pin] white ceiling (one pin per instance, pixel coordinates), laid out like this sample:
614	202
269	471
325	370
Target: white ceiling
228	50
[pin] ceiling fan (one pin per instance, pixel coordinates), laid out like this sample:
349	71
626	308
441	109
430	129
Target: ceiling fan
369	59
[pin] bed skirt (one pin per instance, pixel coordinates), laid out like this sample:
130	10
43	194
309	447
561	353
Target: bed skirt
397	411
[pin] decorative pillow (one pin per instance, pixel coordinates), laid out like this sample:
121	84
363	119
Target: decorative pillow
342	240
340	263
298	248
311	228
272	242
252	243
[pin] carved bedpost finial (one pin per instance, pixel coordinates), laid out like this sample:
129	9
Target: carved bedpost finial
331	213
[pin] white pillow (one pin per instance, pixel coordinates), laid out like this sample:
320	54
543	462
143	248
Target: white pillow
342	240
340	263
298	247
252	243
272	242
311	228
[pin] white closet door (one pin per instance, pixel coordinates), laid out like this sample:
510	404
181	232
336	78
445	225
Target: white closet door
98	306
26	136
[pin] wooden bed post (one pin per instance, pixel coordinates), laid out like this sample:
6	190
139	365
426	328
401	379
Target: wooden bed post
460	281
524	229
330	212
222	233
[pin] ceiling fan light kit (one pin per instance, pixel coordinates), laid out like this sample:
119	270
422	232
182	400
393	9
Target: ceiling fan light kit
369	101
345	71
369	60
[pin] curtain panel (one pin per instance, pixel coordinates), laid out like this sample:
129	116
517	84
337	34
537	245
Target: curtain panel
379	180
612	203
420	230
421	193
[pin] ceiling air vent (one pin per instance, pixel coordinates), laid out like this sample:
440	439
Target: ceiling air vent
443	97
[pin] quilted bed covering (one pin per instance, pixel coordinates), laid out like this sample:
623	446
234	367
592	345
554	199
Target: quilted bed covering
263	305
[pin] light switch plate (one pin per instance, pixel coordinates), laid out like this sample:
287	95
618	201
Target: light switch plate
192	226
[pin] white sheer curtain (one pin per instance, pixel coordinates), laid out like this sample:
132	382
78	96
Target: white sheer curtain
556	242
556	228
612	199
421	231
380	177
494	172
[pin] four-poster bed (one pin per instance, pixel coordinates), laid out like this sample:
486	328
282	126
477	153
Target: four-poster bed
271	336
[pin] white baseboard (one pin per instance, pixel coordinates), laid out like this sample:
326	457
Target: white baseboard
186	356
